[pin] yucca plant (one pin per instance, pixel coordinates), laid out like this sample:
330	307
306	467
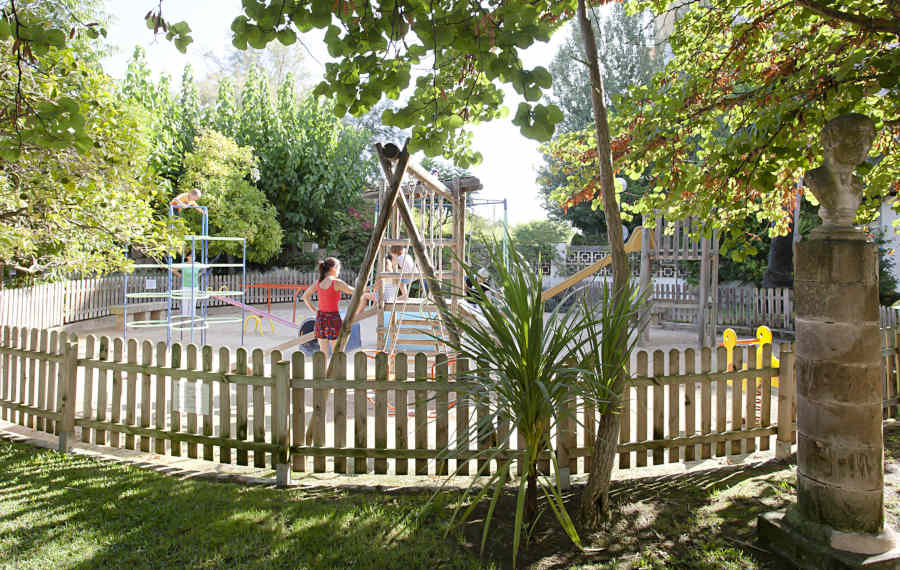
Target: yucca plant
524	371
611	337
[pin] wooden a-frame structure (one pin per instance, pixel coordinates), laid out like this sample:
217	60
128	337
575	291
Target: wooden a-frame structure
395	212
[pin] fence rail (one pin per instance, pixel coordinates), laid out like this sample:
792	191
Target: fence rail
239	407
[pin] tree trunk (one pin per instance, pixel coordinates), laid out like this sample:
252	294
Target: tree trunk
531	493
596	494
780	270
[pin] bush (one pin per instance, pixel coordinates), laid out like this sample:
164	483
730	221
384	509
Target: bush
224	172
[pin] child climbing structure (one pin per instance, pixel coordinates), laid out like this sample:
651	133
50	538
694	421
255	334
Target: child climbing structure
425	218
188	286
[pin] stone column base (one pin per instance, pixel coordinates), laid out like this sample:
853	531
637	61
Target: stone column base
821	547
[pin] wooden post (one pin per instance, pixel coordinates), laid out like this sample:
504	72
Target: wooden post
647	306
280	407
68	376
459	234
702	337
786	389
415	237
395	177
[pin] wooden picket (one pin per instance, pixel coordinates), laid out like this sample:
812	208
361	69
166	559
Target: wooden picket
50	305
678	406
26	377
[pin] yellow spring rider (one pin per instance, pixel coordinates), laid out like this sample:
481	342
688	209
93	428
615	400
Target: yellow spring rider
763	337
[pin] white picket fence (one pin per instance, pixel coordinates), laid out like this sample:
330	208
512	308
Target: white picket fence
56	304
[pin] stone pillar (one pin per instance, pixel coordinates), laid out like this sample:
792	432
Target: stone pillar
840	467
838	520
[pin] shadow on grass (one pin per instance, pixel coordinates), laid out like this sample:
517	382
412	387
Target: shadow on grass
702	519
62	510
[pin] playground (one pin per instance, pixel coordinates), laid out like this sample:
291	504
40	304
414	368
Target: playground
689	398
414	258
265	333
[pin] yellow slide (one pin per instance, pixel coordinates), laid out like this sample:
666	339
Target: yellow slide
633	244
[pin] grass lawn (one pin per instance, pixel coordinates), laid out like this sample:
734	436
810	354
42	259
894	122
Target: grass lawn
66	511
73	511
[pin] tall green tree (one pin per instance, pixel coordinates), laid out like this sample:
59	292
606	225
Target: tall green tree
309	161
472	47
225	173
175	120
76	186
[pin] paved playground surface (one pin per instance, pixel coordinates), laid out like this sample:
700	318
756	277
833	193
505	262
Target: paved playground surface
229	334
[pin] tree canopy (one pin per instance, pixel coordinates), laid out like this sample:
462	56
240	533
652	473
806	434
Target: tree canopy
732	123
308	161
76	185
450	56
224	172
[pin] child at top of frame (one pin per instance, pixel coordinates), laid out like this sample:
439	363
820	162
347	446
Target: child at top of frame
328	288
185	200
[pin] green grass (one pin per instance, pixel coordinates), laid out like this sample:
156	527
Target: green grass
65	511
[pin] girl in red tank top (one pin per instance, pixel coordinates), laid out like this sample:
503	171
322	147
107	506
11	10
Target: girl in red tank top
329	288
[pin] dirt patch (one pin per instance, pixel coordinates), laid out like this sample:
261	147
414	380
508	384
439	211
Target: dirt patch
702	519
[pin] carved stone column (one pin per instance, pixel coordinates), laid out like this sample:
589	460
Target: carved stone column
838	520
840	465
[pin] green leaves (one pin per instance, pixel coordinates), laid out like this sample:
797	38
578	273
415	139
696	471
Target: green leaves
77	186
379	42
178	33
733	122
537	122
522	364
286	36
333	40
